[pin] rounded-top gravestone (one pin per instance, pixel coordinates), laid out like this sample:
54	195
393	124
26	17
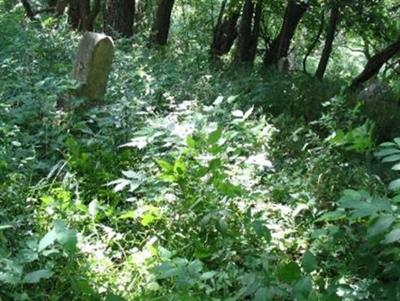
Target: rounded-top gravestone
93	64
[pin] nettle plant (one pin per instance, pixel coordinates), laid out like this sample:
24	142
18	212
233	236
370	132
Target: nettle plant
202	210
369	226
37	260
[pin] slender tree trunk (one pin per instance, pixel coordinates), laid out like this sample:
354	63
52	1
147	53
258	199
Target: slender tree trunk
119	17
249	31
375	64
280	46
315	42
225	31
52	3
74	17
28	9
326	53
162	22
84	12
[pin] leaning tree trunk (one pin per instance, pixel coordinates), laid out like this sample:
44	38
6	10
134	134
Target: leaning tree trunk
375	64
280	46
249	31
119	17
162	22
225	31
330	36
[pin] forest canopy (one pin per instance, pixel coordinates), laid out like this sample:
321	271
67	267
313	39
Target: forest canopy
209	150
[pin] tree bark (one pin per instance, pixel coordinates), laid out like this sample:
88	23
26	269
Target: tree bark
326	53
294	12
162	22
248	31
28	9
74	17
375	64
225	31
84	12
119	18
315	42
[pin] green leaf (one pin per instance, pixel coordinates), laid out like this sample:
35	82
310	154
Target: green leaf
263	294
191	143
394	185
289	273
381	225
302	289
331	216
47	240
387	152
309	262
164	165
393	158
35	277
364	208
215	136
397	141
392	236
208	275
396	167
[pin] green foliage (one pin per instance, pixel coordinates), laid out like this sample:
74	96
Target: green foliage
191	181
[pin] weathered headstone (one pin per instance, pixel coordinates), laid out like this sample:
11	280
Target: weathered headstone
93	64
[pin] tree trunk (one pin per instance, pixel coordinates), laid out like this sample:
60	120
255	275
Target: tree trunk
375	64
74	17
119	17
84	12
162	22
249	31
52	3
225	31
315	42
280	46
326	53
80	12
28	9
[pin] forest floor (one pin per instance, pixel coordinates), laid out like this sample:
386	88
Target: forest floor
192	181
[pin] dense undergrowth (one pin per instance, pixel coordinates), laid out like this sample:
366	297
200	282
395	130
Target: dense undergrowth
192	181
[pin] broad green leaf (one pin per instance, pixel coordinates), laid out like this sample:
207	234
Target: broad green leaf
331	216
381	225
36	276
397	141
289	273
190	142
208	275
164	165
396	167
47	240
395	185
263	294
302	289
309	262
215	136
366	208
387	152
392	236
392	158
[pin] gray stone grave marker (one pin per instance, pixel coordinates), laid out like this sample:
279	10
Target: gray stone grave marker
93	64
